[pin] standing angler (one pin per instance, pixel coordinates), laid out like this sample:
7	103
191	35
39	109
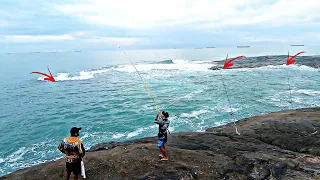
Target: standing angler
74	150
162	120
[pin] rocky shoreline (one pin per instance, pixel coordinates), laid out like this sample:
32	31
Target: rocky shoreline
280	145
260	61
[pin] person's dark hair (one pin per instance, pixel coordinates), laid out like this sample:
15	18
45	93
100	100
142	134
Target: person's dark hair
74	130
166	114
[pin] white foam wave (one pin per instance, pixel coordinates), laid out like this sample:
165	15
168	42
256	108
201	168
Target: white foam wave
148	107
228	109
297	100
17	155
204	62
171	128
304	67
277	67
188	96
29	156
194	114
305	91
280	99
83	75
182	65
86	135
297	67
220	123
180	61
139	131
118	136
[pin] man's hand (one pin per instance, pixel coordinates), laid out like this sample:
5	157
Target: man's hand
60	147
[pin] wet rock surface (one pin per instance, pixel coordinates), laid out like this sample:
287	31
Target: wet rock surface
261	61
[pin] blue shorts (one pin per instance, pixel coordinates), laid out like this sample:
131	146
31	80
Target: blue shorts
161	141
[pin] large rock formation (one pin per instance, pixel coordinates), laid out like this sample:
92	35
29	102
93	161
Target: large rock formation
281	145
260	61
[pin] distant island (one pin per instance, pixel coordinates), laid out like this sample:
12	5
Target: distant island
297	45
243	46
211	47
255	62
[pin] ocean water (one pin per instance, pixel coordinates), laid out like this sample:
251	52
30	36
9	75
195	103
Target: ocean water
102	93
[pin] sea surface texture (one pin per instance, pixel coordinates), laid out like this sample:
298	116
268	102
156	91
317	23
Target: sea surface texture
102	93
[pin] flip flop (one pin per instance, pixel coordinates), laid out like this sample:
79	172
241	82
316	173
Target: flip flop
160	155
163	159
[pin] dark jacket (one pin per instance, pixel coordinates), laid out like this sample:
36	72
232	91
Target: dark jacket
163	126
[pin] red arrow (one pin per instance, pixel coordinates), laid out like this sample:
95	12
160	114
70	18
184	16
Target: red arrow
291	60
228	64
48	78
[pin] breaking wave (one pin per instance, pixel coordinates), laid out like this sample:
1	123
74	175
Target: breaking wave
83	75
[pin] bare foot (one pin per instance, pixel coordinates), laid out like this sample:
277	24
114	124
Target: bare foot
165	159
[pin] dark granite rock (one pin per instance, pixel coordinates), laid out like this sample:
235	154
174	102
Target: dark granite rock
261	61
214	68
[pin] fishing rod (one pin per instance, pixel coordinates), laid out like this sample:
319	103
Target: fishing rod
144	83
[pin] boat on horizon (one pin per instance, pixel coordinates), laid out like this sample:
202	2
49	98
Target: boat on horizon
243	46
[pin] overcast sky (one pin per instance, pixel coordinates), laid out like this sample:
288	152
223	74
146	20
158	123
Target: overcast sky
38	25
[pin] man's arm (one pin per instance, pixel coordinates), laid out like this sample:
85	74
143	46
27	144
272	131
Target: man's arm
61	148
83	150
156	120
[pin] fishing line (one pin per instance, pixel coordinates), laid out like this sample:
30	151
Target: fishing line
316	131
144	83
229	102
175	100
231	112
316	62
289	87
179	98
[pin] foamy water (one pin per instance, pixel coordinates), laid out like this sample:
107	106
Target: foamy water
82	75
110	102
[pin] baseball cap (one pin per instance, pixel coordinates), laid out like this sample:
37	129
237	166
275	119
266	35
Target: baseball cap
74	130
166	114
